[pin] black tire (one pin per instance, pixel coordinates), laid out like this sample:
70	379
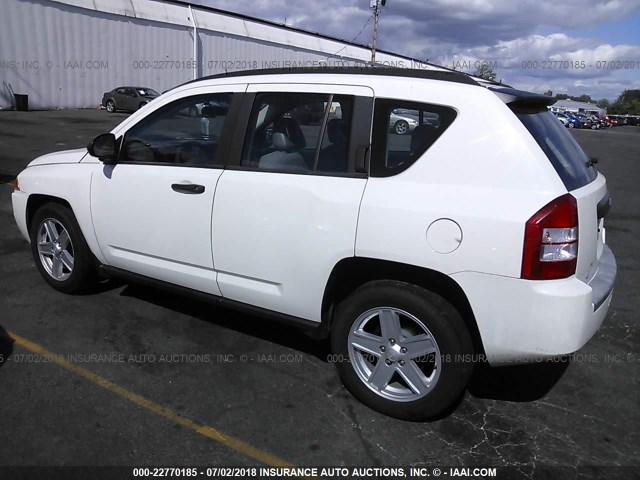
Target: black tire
82	276
111	106
453	346
401	127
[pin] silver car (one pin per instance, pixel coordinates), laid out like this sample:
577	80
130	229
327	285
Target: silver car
403	121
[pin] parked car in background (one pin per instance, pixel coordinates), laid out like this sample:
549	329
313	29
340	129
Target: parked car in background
402	122
585	121
599	122
619	119
128	98
570	120
611	121
633	120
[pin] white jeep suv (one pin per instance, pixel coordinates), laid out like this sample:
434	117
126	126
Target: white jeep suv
416	252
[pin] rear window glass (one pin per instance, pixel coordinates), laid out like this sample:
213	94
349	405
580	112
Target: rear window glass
563	151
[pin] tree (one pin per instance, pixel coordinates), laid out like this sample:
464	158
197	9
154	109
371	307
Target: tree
603	103
583	98
627	103
485	71
548	93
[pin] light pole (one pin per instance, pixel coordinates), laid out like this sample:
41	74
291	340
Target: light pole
375	4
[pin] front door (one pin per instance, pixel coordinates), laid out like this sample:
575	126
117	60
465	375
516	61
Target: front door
152	210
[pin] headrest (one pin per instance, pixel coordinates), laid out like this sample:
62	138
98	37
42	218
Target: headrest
214	110
282	142
292	130
336	131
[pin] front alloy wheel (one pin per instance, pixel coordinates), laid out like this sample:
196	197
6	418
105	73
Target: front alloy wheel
55	249
60	250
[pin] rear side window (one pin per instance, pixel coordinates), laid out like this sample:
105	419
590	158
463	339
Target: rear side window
299	133
561	149
403	131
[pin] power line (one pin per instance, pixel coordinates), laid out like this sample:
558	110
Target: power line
355	38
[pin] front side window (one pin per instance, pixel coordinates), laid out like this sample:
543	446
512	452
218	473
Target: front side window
186	132
298	132
403	131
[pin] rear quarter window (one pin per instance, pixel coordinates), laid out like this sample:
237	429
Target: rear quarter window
403	131
564	153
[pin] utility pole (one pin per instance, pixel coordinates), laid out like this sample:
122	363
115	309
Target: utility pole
375	4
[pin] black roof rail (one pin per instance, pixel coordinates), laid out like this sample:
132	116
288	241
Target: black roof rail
447	76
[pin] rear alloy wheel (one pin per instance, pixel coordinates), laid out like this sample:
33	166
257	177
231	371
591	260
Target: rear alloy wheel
402	350
111	106
60	250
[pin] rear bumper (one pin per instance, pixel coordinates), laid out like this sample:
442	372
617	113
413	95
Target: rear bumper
602	282
522	320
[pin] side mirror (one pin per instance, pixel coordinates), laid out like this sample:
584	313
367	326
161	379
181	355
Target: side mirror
104	147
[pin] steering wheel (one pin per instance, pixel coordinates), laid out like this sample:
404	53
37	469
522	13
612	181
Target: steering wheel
139	151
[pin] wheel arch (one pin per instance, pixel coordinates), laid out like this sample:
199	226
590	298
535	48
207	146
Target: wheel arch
36	200
350	273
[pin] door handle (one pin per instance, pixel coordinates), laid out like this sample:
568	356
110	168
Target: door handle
187	188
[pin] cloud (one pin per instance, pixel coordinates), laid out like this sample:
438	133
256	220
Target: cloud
464	32
476	22
557	62
408	23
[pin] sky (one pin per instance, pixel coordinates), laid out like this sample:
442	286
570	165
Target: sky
566	46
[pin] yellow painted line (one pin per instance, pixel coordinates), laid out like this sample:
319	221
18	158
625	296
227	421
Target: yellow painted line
204	430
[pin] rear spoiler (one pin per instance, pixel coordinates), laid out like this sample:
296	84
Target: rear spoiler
521	99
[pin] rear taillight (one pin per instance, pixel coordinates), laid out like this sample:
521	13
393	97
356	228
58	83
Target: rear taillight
551	241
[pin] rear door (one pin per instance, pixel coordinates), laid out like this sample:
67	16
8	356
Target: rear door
287	212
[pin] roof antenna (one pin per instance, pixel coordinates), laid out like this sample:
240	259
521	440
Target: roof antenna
375	4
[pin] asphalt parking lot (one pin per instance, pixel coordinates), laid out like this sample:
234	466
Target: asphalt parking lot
132	376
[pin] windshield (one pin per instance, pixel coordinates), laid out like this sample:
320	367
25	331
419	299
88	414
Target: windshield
563	151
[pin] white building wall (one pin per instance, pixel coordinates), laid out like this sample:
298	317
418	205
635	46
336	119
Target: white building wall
66	53
573	106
